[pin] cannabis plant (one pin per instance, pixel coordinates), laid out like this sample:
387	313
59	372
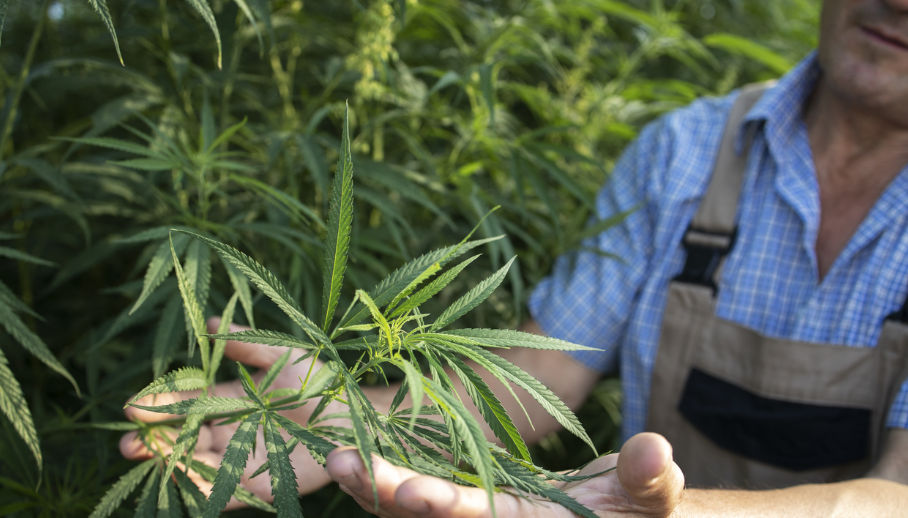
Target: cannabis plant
393	333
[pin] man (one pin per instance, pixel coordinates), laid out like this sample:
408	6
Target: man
764	338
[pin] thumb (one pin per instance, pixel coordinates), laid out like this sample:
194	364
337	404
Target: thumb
648	474
256	355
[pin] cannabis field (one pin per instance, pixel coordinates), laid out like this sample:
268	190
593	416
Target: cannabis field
144	144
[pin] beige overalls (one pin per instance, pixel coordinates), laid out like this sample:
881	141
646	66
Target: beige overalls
745	410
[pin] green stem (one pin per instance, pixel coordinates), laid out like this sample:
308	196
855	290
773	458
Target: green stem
7	125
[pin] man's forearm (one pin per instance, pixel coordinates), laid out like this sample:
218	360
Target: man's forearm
866	497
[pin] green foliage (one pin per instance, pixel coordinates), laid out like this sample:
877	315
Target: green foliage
455	107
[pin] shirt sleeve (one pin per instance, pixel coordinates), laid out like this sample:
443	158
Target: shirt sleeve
590	294
898	412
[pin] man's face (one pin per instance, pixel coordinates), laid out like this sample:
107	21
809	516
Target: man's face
864	53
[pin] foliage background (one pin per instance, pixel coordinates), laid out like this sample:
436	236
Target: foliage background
456	106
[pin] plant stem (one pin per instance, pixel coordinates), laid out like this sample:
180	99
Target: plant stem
10	111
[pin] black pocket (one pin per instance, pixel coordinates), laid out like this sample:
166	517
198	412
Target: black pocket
795	436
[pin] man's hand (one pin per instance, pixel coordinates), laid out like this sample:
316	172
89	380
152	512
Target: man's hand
647	484
213	439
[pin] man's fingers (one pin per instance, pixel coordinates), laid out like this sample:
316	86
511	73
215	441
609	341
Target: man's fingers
256	355
347	469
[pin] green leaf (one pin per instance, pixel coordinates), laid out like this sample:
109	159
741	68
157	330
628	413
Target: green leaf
491	408
433	288
470	433
101	8
274	371
208	405
269	285
168	504
185	443
14	406
10	299
283	479
241	285
472	298
508	338
321	379
187	378
255	26
167	336
522	479
12	253
197	267
264	337
340	226
552	404
217	352
414	381
360	431
232	465
241	494
117	144
749	49
401	278
249	386
193	498
486	79
3	6
147	506
121	489
205	10
159	268
147	164
317	447
291	444
193	309
32	343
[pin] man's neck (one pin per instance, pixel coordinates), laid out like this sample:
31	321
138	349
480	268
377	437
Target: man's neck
857	153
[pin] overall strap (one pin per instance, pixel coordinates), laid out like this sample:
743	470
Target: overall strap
711	233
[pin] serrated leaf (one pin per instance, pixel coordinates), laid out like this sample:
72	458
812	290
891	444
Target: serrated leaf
197	267
14	406
159	268
255	26
205	10
121	489
321	379
187	378
10	299
208	405
232	466
340	226
101	8
508	338
147	506
317	447
241	494
414	381
360	431
264	337
241	285
217	352
389	287
270	286
32	343
552	403
522	479
274	371
185	443
147	164
491	408
18	255
433	288
473	298
193	498
117	144
117	427
168	504
470	433
291	444
168	334
283	479
193	309
399	397
3	6
249	385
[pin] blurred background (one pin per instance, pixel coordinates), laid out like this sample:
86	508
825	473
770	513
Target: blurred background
456	106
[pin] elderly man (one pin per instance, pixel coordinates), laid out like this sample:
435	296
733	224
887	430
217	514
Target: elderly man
759	317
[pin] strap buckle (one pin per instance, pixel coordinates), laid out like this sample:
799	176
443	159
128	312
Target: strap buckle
705	251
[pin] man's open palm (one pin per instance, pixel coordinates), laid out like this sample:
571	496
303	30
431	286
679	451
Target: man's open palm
213	439
647	483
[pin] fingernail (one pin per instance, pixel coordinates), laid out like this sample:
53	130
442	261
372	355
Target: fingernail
352	482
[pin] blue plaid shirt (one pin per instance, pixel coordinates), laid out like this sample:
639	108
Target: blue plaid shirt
770	280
